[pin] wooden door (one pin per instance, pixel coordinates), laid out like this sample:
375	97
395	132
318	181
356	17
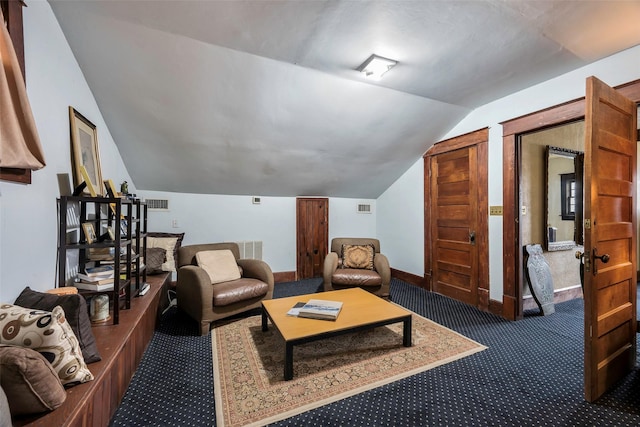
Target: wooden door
610	238
312	243
454	224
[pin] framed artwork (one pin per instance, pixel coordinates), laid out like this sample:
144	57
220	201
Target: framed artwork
89	232
84	151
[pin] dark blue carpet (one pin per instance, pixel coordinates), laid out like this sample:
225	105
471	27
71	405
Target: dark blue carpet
531	375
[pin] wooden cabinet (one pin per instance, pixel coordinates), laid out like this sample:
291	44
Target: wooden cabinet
119	238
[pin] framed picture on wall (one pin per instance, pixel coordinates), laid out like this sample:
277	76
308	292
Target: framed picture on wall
84	150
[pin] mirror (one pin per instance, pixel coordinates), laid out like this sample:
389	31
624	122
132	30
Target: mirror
564	198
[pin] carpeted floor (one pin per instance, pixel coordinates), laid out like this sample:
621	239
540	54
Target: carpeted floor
530	375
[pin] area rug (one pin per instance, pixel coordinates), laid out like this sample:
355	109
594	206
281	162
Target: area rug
248	366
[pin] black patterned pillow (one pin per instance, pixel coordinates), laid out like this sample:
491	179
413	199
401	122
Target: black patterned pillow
49	334
155	258
358	256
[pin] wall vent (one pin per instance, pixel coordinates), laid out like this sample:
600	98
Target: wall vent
364	208
158	204
250	250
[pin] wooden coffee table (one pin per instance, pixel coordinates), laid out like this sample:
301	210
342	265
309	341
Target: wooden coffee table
360	310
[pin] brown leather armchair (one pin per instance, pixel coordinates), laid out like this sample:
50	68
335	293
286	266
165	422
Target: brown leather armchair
336	277
207	303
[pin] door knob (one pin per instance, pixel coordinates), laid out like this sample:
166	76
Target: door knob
472	237
604	258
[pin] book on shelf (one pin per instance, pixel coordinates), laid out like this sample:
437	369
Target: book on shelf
321	309
97	281
94	286
101	270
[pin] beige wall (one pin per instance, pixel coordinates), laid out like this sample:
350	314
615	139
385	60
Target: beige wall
564	266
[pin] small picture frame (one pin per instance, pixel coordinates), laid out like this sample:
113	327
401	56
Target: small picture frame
111	189
87	180
89	232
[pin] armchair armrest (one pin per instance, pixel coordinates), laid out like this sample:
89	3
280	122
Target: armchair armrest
330	266
192	288
257	269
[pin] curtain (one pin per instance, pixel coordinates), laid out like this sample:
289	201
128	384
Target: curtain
19	141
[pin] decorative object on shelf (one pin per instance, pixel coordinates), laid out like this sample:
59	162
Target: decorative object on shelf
124	188
99	308
89	232
84	149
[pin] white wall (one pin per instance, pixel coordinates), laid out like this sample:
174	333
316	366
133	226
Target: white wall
401	221
220	218
393	220
28	213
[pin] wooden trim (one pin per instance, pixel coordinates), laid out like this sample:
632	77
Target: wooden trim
496	307
466	140
427	224
410	278
552	116
121	347
284	276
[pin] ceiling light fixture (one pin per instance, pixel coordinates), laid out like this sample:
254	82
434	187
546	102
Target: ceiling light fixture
375	66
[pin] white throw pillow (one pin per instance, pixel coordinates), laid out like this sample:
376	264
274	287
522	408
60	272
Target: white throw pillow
220	265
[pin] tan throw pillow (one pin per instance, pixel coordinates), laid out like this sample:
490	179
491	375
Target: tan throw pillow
49	334
358	256
221	265
31	384
166	243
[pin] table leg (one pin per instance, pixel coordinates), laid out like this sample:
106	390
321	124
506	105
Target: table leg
407	332
288	362
265	326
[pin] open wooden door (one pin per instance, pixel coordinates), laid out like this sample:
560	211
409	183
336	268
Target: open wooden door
610	238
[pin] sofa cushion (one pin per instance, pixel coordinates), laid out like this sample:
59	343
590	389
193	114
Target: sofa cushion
356	277
49	334
358	256
220	265
29	381
75	311
156	257
238	290
168	241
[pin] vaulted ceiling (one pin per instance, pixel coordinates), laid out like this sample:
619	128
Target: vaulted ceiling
263	97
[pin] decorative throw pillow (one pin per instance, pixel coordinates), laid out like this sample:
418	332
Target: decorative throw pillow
155	258
358	256
221	265
169	242
75	311
29	381
49	334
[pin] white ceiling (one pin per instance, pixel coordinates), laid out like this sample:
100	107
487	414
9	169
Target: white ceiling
262	97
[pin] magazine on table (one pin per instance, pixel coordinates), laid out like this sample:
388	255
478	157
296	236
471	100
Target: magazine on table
295	310
321	309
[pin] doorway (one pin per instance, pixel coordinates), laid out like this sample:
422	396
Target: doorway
312	236
513	274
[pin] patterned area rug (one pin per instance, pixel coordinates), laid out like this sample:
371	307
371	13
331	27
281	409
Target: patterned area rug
249	366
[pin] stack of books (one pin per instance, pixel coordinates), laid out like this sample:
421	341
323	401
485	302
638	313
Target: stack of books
317	309
99	278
